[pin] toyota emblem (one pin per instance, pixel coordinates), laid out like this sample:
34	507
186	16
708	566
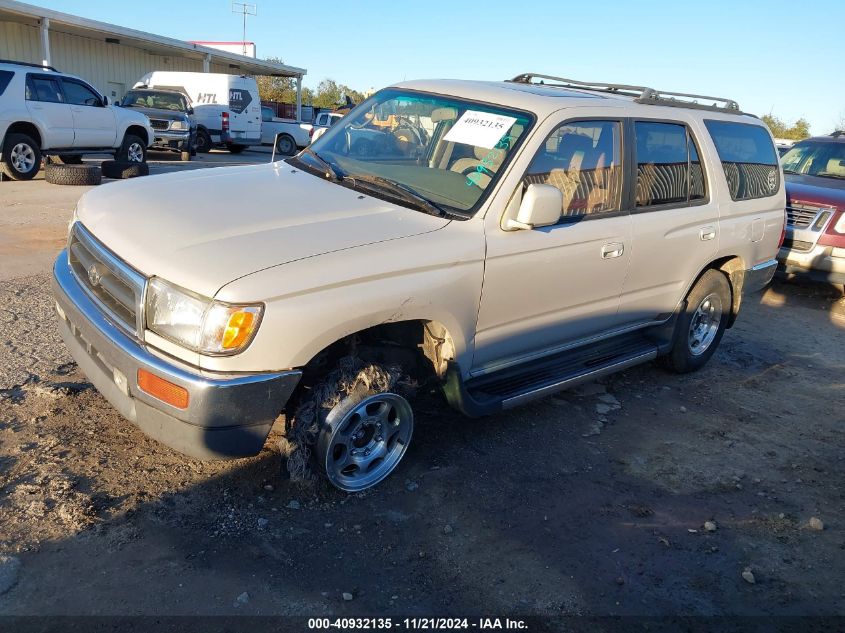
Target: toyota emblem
94	275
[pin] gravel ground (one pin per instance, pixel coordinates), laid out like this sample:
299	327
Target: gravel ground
647	493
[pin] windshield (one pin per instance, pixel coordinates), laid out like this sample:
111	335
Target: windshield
816	158
159	100
443	149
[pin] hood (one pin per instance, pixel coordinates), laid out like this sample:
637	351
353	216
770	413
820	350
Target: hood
159	113
202	229
815	190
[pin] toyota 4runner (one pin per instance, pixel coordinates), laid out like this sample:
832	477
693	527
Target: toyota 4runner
45	112
503	240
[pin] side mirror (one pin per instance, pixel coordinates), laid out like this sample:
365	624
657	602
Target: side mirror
540	206
190	110
106	102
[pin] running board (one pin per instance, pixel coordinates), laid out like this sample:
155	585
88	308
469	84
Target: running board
536	379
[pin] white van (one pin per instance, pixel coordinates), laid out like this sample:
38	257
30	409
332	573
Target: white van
226	107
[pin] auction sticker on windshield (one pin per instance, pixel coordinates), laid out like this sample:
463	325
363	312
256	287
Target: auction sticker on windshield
481	129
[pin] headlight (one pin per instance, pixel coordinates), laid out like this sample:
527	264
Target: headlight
199	323
178	125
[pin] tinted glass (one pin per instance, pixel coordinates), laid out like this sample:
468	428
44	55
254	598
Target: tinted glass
5	78
77	94
697	190
662	169
583	160
159	100
825	159
44	89
748	158
266	114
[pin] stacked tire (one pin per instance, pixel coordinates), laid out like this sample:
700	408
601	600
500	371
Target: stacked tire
57	174
119	169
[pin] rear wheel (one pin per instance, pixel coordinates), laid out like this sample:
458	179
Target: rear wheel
701	326
21	157
285	145
203	142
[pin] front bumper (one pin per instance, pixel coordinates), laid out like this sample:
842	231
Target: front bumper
759	276
822	263
171	140
227	416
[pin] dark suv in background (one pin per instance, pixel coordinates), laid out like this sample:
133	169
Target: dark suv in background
815	207
171	117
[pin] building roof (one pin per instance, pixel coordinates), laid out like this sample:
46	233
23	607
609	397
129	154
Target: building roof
13	11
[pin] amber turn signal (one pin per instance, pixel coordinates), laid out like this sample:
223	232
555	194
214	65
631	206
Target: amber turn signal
238	329
162	389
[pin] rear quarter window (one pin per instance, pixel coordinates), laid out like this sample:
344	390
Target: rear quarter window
748	158
5	79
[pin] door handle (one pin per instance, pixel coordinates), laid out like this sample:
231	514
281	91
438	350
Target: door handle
611	250
707	233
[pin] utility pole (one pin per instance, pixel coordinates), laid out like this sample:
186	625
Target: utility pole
246	9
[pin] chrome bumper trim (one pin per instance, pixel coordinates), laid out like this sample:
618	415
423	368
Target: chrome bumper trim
759	276
224	403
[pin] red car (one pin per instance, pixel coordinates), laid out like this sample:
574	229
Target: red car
815	208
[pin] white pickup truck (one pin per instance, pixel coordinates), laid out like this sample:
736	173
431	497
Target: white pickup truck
287	134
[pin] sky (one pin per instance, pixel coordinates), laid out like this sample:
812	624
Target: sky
773	56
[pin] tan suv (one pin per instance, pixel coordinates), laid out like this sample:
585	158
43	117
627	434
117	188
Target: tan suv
503	239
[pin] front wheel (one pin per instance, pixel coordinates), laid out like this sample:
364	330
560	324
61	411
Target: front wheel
133	150
353	426
701	325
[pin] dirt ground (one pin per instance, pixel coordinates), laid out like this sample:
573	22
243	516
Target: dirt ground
591	502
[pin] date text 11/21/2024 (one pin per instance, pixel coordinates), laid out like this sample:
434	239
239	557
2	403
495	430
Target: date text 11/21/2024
417	624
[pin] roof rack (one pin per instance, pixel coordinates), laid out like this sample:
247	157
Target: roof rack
641	94
12	61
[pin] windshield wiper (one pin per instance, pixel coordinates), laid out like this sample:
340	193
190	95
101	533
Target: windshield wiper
402	191
331	172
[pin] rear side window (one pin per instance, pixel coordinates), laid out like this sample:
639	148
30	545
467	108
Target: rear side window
668	165
43	89
748	158
5	78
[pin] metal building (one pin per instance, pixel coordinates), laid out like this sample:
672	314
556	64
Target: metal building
112	58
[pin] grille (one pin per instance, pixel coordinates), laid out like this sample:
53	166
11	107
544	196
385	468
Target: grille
158	124
115	287
801	216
